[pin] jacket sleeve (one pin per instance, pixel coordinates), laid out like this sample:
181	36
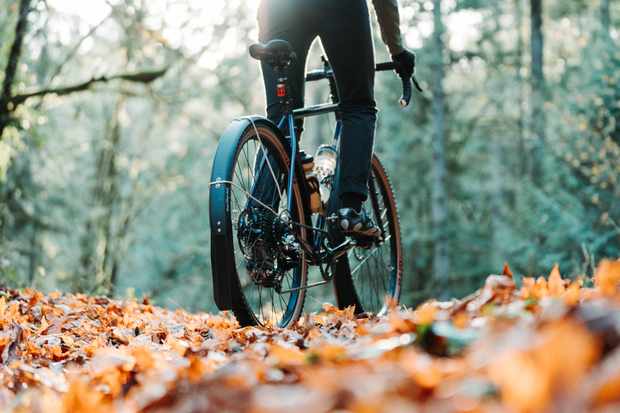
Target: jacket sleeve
389	21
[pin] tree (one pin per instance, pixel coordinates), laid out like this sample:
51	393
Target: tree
537	81
523	158
441	261
6	105
606	18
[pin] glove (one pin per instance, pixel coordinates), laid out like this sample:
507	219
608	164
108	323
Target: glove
405	64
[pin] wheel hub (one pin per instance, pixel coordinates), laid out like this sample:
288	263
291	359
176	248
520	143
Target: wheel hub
268	245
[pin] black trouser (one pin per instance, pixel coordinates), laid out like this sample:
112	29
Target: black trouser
344	29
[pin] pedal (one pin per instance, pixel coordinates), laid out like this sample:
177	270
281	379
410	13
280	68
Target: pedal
367	243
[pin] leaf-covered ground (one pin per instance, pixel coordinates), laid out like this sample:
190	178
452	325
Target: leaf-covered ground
550	345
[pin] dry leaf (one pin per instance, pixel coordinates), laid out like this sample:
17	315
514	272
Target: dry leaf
607	277
75	353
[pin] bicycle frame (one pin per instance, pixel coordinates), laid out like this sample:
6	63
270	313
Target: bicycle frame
289	119
310	239
317	253
290	115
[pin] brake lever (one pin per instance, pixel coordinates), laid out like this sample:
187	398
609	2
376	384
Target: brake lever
408	84
417	84
405	99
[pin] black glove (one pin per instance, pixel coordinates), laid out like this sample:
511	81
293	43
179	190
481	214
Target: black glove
405	64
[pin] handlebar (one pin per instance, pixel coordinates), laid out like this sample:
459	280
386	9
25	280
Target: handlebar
319	74
405	99
328	73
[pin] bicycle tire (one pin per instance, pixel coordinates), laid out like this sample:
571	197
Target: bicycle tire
226	256
352	288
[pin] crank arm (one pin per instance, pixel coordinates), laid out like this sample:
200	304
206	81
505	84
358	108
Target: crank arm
340	250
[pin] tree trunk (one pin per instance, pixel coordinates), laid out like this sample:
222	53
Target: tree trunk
496	162
441	263
35	250
110	197
606	18
96	259
523	165
538	91
11	66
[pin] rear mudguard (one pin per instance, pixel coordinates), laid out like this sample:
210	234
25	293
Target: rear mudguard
226	288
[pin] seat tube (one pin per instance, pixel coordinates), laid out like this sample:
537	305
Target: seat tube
291	175
337	131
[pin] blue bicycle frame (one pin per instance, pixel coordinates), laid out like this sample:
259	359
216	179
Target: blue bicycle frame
290	121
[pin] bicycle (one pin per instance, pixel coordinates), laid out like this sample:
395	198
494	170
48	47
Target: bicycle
262	245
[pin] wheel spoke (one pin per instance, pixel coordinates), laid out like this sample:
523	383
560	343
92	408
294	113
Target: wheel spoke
256	164
268	163
374	270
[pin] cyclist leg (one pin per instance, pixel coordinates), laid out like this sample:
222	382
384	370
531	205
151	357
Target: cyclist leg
282	19
286	20
347	40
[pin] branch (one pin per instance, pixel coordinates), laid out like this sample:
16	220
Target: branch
11	65
138	77
75	48
16	50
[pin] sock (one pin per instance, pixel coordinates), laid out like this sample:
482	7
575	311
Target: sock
352	200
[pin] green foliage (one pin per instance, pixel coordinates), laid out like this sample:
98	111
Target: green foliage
470	4
560	9
107	190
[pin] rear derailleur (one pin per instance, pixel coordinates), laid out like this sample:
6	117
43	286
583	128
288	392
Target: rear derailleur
269	246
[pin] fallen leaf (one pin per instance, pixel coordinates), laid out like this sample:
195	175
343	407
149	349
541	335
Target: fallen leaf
607	277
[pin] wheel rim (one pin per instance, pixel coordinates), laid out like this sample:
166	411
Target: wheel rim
268	307
375	270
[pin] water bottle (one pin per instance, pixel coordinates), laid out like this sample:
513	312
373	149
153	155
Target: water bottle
325	161
312	182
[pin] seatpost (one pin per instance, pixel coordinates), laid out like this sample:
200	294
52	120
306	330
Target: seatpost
282	93
282	88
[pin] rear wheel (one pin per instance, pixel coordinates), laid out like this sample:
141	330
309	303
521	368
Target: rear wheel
376	272
270	267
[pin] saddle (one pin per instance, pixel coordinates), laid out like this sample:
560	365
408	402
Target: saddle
277	53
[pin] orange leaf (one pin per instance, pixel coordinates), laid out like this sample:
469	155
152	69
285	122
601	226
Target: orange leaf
560	358
43	327
425	314
286	355
572	294
609	390
197	369
92	347
541	289
426	373
527	290
530	392
461	320
2	306
178	346
555	283
54	295
607	277
506	271
144	358
56	352
399	323
68	340
82	398
329	352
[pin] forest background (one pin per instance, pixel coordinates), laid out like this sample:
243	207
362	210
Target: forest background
110	113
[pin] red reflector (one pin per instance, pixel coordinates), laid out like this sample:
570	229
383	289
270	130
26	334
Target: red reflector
281	91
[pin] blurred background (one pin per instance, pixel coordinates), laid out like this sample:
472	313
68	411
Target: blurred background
111	112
